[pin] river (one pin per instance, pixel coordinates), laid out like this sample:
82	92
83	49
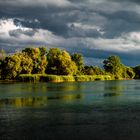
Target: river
99	110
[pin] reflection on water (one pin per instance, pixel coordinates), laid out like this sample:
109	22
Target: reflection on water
71	111
37	101
113	89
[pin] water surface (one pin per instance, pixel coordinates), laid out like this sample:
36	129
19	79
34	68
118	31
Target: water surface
101	110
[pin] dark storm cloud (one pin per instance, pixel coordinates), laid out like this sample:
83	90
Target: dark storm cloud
51	18
121	22
56	18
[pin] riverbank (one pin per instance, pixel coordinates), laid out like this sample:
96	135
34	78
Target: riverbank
61	78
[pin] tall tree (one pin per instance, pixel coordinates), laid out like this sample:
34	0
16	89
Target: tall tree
38	56
78	59
11	67
60	63
113	65
18	63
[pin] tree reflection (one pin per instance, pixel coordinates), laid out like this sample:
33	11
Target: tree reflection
112	88
38	101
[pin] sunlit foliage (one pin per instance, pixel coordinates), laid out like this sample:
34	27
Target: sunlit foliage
78	59
60	63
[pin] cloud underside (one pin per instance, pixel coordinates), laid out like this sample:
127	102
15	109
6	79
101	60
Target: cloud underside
94	28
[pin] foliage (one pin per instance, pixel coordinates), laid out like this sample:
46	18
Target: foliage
11	67
60	63
29	77
117	70
137	72
32	64
92	77
38	56
16	64
91	70
60	78
128	73
30	60
113	66
26	63
78	59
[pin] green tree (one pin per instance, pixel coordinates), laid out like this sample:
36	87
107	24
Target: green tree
137	72
60	63
18	63
113	66
78	59
26	63
93	70
38	56
11	67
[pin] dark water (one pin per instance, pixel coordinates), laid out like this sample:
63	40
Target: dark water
102	110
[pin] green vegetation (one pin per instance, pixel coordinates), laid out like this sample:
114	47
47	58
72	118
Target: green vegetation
60	63
61	78
116	69
91	70
37	64
78	59
137	72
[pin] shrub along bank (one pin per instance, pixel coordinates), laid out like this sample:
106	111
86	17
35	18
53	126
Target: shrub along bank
60	78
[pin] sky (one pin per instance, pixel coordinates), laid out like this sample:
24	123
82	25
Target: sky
95	28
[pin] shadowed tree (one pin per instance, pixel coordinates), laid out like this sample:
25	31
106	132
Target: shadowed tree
91	70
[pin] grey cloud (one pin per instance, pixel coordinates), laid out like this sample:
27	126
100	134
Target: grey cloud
27	23
28	3
18	32
131	1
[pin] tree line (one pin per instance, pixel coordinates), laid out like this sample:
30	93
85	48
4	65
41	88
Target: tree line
59	62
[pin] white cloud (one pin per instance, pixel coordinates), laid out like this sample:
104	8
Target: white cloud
126	43
86	27
18	34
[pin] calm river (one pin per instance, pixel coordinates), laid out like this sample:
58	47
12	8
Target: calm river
101	110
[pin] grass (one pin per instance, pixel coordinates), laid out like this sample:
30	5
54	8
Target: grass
57	78
61	78
29	77
92	77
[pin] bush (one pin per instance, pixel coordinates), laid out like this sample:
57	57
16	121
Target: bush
60	78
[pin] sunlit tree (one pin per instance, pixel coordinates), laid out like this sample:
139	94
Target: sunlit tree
113	66
38	56
11	67
78	59
60	63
